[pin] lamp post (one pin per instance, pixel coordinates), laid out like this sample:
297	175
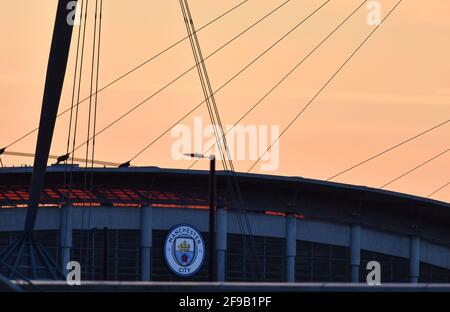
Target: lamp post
212	212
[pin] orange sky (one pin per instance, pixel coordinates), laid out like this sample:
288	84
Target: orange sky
396	86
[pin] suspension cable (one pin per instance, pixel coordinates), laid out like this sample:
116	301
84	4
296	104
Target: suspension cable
96	85
389	149
438	189
415	168
325	85
286	76
135	68
66	157
76	117
203	74
215	118
94	74
69	134
230	80
74	82
79	86
94	48
184	73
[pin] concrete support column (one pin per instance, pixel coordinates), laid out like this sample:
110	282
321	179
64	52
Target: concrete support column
355	252
146	242
414	259
221	242
291	247
65	236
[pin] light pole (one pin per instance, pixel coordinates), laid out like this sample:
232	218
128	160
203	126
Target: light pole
212	212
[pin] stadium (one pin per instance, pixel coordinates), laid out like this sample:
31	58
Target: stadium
118	226
293	229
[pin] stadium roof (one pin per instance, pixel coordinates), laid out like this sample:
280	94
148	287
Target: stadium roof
139	175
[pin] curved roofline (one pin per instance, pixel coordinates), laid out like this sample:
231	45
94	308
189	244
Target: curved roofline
252	176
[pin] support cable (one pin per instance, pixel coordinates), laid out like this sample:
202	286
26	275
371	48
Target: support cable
95	107
211	105
65	158
415	168
93	63
286	76
79	90
202	72
325	85
134	69
96	87
69	135
389	149
22	276
228	81
89	120
183	74
77	112
439	189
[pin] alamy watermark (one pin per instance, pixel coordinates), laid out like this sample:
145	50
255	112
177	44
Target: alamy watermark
249	142
73	277
374	17
74	15
374	276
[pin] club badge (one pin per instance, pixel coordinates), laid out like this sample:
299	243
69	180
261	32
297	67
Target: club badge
184	250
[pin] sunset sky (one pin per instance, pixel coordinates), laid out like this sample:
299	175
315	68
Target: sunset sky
397	86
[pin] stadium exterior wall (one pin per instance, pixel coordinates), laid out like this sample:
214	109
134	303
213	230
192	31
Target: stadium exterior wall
300	227
273	226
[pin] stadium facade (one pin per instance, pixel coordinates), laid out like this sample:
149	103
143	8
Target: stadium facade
292	229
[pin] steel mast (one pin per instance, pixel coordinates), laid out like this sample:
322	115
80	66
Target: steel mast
27	253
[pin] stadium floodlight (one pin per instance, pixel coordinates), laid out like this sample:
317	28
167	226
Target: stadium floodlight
200	156
212	211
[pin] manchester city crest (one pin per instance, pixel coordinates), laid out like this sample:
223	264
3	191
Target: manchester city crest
184	250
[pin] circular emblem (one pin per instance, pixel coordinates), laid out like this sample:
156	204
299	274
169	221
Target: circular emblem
184	250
